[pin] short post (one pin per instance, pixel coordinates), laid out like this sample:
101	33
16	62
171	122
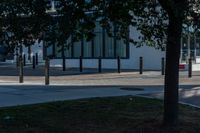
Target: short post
119	64
46	71
81	64
64	63
141	65
36	58
163	66
17	61
190	68
33	62
24	58
100	64
21	70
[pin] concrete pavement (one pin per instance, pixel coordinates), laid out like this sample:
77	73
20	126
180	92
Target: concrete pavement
12	95
19	95
188	94
73	85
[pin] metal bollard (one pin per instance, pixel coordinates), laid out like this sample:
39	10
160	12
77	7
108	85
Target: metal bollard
33	62
24	58
17	61
163	66
36	59
46	71
190	68
81	64
64	63
100	64
119	64
141	65
21	70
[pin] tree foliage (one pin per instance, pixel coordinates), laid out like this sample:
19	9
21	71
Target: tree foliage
22	22
28	20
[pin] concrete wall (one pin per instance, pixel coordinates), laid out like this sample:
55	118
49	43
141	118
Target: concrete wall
151	57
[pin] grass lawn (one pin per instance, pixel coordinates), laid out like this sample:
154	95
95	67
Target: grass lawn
99	115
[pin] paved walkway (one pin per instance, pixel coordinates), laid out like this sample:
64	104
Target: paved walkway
11	95
19	95
71	85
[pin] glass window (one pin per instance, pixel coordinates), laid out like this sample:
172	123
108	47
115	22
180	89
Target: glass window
98	41
87	48
109	46
68	48
49	51
121	48
197	46
98	44
94	48
77	49
184	50
58	51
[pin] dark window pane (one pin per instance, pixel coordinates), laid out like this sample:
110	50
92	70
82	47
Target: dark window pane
198	46
98	44
121	48
68	48
77	49
50	51
87	49
58	51
109	46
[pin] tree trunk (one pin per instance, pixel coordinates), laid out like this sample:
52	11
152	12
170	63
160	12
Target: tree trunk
172	71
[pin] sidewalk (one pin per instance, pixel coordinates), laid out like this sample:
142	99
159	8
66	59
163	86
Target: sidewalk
72	76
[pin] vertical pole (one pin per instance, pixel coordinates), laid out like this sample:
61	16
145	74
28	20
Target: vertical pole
46	71
141	65
100	64
64	64
21	71
20	50
119	64
33	62
17	60
81	64
17	57
24	58
29	53
163	66
190	68
36	58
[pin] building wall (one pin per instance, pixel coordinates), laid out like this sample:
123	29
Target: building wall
151	57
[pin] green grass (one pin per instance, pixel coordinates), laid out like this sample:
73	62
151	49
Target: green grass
98	115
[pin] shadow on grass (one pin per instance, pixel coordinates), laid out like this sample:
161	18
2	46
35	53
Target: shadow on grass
99	115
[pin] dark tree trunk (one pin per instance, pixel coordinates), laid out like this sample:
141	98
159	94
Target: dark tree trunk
172	71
